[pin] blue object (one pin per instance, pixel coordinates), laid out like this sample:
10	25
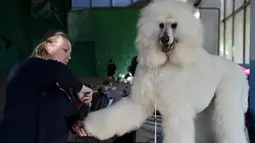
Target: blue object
159	139
109	94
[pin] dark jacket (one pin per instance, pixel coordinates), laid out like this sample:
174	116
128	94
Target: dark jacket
37	110
100	101
111	69
133	65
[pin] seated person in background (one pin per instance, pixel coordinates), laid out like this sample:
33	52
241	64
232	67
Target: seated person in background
102	98
106	87
129	76
125	91
41	95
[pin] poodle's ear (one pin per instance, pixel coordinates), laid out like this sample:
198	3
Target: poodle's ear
149	55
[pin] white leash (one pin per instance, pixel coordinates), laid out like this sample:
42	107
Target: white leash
155	108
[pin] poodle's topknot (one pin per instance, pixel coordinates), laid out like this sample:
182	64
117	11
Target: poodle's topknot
189	33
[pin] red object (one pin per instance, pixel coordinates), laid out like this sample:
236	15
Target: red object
247	114
79	103
246	71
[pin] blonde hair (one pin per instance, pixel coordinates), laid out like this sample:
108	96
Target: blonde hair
50	37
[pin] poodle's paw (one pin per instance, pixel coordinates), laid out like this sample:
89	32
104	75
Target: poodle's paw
96	126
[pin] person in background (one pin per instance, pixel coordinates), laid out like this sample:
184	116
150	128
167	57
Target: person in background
129	73
41	95
102	99
129	76
107	91
133	65
111	69
107	85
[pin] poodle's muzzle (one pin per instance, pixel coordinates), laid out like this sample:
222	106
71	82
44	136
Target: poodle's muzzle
167	45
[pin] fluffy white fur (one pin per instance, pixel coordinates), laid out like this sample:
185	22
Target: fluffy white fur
202	97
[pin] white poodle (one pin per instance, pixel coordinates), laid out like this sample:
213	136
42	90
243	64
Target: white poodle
202	97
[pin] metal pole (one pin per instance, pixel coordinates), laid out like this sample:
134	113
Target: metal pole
224	29
111	3
233	31
244	33
90	3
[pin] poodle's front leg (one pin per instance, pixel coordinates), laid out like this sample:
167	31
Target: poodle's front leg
179	126
122	117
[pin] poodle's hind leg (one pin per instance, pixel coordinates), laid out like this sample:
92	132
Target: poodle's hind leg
178	123
228	121
121	117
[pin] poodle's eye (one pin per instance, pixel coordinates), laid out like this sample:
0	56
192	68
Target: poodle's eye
161	25
174	25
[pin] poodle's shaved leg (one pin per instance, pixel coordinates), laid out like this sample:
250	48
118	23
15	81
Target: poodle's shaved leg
122	117
228	116
179	125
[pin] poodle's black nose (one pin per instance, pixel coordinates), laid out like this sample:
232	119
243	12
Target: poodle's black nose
174	25
164	39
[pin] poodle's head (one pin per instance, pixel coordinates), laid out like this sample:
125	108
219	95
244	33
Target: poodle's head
168	32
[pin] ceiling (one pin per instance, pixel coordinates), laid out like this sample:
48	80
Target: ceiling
83	4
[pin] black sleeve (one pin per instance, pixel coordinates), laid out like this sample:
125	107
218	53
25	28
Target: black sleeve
72	120
82	112
48	72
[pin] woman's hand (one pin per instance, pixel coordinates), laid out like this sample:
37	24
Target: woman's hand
85	95
78	127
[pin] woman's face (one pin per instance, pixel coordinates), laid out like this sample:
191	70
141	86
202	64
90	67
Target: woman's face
59	50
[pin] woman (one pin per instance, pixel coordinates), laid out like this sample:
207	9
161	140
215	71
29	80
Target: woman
41	96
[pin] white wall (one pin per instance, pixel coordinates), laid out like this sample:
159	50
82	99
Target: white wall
211	27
